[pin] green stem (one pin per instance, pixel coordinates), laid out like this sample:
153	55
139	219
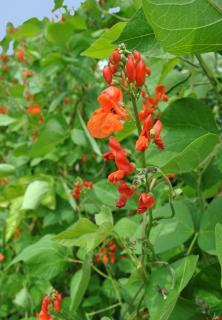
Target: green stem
192	244
104	309
214	82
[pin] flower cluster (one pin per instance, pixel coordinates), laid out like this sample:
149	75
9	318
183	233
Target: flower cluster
54	300
107	253
79	186
127	71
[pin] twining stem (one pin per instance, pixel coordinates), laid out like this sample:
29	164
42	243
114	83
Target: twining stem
214	82
92	266
104	309
132	301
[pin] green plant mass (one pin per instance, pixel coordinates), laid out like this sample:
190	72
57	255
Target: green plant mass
111	163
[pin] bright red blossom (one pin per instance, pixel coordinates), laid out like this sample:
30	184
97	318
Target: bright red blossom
118	154
126	193
146	201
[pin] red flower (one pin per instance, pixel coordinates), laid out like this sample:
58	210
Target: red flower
34	109
155	133
57	302
171	175
2	257
27	73
20	54
125	193
107	119
123	165
146	201
3	110
144	138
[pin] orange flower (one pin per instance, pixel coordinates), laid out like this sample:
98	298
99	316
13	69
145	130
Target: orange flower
20	54
3	110
107	119
34	109
27	73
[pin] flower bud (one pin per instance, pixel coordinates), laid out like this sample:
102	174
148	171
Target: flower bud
148	71
116	56
136	55
113	68
140	73
130	70
107	74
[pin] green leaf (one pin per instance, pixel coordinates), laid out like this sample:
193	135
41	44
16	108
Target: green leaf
78	137
161	307
6	120
6	170
14	217
23	298
45	258
209	221
103	47
173	232
218	238
57	4
29	28
52	133
105	215
106	193
126	228
190	135
85	234
34	194
78	286
138	35
59	33
181	27
57	101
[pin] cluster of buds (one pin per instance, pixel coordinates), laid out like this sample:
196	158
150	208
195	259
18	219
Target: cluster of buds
107	253
130	67
79	186
54	299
